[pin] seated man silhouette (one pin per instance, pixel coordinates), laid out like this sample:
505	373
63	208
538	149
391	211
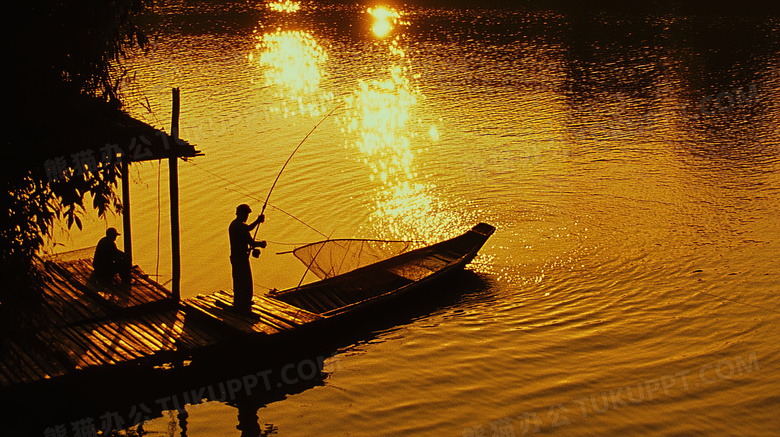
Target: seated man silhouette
110	261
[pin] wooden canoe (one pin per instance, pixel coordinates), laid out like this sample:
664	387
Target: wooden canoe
375	283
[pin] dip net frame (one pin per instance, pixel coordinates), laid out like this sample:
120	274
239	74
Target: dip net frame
335	257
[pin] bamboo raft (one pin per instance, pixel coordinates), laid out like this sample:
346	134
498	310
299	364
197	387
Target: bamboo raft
83	325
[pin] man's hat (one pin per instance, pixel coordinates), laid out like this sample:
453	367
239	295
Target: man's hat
243	208
111	232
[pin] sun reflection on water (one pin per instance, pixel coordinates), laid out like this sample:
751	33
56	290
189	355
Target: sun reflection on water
378	112
293	63
385	19
381	122
284	6
412	211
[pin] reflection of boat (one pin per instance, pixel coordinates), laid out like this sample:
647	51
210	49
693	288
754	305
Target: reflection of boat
378	282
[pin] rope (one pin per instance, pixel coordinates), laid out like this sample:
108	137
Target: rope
250	195
262	286
311	263
279	243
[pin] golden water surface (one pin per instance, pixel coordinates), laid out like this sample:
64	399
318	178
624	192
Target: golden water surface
629	164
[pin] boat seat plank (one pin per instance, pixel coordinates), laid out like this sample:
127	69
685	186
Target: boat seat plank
308	302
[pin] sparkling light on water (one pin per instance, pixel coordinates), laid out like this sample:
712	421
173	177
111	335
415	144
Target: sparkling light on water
635	243
293	62
285	6
385	20
380	121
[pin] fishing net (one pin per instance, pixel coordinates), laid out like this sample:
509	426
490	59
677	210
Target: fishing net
335	257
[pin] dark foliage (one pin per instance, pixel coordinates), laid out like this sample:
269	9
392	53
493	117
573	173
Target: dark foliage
60	56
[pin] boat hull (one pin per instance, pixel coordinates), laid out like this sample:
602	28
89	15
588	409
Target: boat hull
369	286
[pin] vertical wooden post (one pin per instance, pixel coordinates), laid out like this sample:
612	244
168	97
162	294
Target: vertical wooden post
174	195
126	209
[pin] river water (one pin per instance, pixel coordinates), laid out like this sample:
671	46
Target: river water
628	161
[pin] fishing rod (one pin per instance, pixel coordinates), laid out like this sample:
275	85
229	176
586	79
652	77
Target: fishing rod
267	198
252	196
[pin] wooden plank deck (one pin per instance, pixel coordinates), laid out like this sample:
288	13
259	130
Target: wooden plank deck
270	316
84	324
99	295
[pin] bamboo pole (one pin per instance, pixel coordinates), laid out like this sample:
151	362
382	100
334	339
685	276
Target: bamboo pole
126	210
174	195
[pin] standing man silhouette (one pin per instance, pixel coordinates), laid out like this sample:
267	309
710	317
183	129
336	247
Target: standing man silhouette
241	245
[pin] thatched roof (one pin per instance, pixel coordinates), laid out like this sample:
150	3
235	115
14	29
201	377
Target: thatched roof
87	130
